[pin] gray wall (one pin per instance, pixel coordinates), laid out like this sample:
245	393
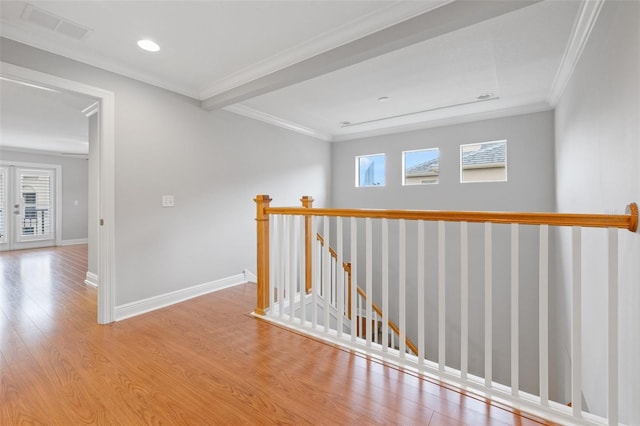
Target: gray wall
214	163
530	187
598	163
74	188
530	168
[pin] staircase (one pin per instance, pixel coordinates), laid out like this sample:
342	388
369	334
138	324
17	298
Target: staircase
375	328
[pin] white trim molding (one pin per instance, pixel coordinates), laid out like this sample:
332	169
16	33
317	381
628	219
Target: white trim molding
91	279
139	307
276	121
74	242
585	20
250	277
106	175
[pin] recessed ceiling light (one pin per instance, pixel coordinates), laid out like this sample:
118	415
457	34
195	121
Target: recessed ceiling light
383	99
148	45
484	96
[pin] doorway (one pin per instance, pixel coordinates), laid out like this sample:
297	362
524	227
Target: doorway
29	206
105	179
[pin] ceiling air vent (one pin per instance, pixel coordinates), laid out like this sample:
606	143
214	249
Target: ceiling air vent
51	22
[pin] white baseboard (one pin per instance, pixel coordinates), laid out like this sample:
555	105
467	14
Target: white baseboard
250	277
91	279
74	242
139	307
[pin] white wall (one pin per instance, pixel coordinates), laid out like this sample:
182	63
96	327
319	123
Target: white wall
530	187
214	163
598	162
74	188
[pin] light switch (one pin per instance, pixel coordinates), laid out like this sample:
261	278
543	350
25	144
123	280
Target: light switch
167	201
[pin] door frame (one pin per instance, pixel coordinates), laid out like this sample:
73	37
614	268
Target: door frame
57	241
106	175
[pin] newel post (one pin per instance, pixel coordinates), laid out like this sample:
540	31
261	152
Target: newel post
307	203
262	222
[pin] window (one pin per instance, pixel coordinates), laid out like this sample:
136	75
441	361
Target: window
370	170
483	162
421	167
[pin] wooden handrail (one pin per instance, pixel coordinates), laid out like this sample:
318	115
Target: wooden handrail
624	221
392	325
376	308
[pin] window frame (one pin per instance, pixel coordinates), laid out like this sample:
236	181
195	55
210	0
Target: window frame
357	170
506	174
437	148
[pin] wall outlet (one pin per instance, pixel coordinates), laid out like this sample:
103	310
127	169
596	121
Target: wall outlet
168	201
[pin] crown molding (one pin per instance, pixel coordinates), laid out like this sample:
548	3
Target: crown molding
358	28
582	26
276	121
35	151
255	114
449	121
35	38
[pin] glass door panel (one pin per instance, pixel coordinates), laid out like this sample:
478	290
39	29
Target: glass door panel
35	199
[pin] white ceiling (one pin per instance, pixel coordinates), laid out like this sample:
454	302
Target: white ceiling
256	57
37	119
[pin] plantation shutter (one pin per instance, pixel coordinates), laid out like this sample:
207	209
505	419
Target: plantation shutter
36	195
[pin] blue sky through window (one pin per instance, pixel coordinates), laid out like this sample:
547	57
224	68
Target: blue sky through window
371	170
413	158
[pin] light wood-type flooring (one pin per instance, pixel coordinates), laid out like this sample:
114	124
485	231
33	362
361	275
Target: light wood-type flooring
200	362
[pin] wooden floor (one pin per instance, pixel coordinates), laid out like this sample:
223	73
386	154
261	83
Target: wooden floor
204	361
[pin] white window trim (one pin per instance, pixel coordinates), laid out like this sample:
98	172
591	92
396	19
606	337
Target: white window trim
506	171
357	170
403	171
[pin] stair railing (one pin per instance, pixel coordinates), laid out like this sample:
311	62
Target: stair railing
375	328
294	284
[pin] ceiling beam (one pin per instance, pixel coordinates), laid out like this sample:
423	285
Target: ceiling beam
450	17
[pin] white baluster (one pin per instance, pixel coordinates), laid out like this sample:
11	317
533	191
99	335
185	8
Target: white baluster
293	264
402	281
488	305
385	285
326	273
301	268
375	327
421	292
354	278
576	324
543	315
369	279
441	296
464	300
339	275
612	353
284	264
273	259
315	269
393	340
515	333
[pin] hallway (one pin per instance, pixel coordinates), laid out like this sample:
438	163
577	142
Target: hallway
204	361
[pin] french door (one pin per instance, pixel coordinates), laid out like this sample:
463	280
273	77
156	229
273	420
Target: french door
27	207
